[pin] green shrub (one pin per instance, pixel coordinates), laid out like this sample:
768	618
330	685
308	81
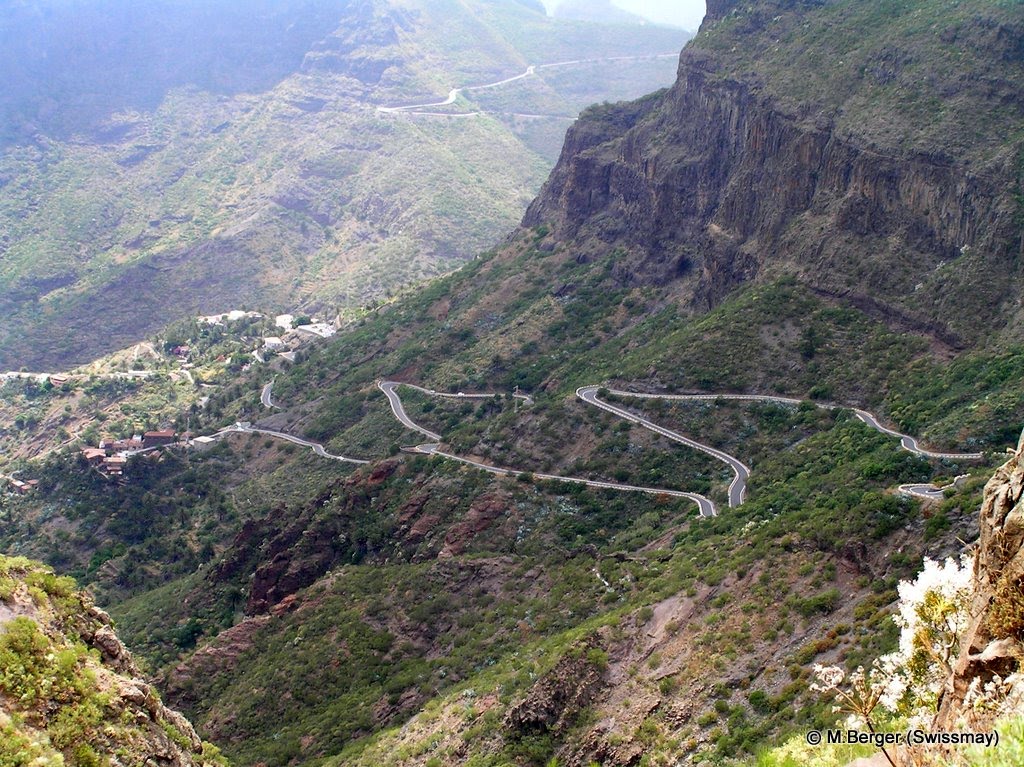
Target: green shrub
1006	616
820	604
597	658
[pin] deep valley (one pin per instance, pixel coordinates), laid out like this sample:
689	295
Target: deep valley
620	489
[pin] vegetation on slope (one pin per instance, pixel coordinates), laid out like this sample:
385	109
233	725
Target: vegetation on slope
173	516
820	487
296	187
67	692
553	325
463	618
523	338
922	75
752	598
156	384
462	591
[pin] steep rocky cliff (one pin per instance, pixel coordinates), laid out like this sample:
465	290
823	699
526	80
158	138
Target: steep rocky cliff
993	645
759	161
527	621
70	693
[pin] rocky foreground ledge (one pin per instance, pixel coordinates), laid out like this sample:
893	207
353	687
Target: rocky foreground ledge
993	645
70	692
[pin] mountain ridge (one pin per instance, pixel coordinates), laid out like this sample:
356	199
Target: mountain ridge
299	194
418	611
71	690
737	185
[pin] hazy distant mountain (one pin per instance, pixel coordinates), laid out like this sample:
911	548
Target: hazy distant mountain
602	11
189	157
535	5
69	63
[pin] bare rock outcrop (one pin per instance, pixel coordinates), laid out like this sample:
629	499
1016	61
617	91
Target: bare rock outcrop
79	695
993	645
718	182
558	697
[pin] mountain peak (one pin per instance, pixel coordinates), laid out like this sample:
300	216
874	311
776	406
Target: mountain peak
777	149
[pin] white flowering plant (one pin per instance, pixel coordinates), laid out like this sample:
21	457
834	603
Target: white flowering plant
859	698
932	614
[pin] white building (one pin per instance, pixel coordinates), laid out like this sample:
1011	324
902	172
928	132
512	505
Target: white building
203	443
320	329
233	316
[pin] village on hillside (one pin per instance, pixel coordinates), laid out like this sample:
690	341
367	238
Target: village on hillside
295	334
111	456
126	404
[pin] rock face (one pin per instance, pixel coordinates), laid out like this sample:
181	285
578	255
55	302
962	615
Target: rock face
274	557
715	183
350	50
77	696
994	642
557	698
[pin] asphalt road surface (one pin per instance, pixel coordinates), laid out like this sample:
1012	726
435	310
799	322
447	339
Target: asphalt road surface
704	505
741	472
316	447
925	492
454	93
388	387
265	397
589	394
737	489
909	443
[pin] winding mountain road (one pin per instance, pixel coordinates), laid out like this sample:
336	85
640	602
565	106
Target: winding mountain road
454	93
316	447
704	505
930	492
449	395
909	443
590	395
389	387
926	492
531	71
265	399
738	487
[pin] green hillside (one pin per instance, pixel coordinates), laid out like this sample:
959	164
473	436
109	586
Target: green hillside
71	693
967	55
709	239
405	531
201	195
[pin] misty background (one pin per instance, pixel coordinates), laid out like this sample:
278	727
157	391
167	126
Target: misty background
687	14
